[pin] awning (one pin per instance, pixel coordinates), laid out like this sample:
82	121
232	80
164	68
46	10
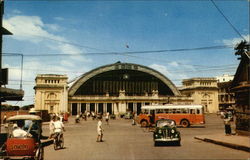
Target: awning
7	94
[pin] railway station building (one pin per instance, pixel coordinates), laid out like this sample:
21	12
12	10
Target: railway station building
115	88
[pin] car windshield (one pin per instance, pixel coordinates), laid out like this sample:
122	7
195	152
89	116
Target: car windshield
163	123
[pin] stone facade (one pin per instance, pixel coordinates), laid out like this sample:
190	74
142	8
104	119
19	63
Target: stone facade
51	93
204	91
241	87
226	97
225	78
122	87
115	88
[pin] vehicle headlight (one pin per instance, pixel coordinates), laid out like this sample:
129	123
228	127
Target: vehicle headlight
160	131
172	131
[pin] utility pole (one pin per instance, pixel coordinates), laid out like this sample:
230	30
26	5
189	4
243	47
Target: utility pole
6	93
1	40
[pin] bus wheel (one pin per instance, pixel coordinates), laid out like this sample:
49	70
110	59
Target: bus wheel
184	123
144	124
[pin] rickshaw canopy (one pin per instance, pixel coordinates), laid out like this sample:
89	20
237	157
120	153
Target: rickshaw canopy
24	117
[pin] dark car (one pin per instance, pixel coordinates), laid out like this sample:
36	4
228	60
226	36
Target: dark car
166	132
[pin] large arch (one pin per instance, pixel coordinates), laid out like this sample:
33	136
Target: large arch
123	66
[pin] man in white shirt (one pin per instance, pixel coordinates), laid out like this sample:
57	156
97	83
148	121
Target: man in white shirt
58	126
18	132
99	130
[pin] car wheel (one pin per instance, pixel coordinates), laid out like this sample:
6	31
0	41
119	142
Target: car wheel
178	143
144	124
185	123
156	143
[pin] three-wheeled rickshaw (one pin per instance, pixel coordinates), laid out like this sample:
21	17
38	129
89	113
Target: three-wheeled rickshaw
24	146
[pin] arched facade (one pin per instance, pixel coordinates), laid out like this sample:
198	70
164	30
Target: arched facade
121	87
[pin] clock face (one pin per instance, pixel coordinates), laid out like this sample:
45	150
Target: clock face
125	76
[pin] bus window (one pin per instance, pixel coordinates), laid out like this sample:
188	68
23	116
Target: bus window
192	111
159	111
166	110
174	110
184	111
144	111
197	111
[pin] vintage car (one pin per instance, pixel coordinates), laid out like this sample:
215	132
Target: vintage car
166	131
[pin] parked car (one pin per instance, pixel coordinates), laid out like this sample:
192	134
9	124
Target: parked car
128	115
166	132
112	116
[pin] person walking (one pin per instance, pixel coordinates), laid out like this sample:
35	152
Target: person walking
51	126
107	118
227	124
99	130
133	118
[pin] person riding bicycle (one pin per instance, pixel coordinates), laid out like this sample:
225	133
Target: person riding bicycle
58	127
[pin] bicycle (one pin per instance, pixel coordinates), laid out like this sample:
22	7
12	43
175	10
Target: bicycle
58	141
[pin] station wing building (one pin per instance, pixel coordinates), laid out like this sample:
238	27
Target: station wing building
121	87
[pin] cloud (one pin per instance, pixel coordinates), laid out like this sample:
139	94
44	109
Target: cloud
172	71
67	63
174	63
162	69
32	29
59	18
29	28
235	41
15	11
53	27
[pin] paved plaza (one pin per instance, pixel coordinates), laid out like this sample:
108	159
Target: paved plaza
124	141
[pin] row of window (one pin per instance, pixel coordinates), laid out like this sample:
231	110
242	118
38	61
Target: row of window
205	83
176	111
52	81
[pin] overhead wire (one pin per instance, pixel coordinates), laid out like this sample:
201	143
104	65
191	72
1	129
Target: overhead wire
234	28
127	52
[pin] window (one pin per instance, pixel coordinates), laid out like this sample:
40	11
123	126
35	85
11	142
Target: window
197	111
159	111
192	111
51	109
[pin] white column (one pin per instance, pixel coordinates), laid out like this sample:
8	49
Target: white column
78	108
122	107
71	106
96	107
116	111
104	107
42	100
65	99
135	107
88	107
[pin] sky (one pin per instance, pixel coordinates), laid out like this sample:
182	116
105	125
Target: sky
71	37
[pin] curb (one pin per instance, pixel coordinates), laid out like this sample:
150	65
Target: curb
230	145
